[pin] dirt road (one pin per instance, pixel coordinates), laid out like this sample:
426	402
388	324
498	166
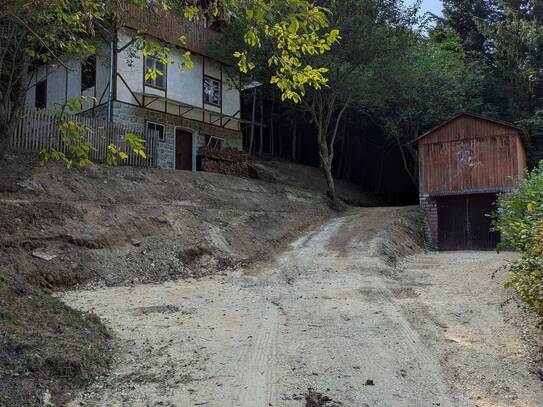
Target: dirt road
327	313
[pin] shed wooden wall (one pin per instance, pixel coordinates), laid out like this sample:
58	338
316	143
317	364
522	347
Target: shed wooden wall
470	154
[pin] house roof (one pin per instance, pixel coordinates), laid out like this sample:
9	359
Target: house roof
164	26
523	132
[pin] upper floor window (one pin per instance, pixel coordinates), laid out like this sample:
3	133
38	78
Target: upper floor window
88	73
155	65
212	91
40	101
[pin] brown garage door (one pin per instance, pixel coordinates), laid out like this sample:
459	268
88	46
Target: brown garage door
464	222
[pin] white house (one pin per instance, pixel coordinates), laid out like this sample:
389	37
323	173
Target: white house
188	107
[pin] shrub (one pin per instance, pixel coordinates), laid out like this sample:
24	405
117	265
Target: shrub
519	219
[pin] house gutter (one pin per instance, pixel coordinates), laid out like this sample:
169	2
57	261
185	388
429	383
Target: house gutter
110	91
112	69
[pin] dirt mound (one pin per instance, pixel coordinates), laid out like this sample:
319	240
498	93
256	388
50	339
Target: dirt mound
404	235
126	225
385	234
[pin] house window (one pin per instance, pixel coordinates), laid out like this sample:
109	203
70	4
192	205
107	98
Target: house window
88	73
157	128
212	91
41	95
154	64
215	143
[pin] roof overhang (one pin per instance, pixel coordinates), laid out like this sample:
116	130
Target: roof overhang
479	191
185	109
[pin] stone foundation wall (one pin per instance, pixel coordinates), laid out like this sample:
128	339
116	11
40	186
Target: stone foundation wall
134	115
98	112
429	206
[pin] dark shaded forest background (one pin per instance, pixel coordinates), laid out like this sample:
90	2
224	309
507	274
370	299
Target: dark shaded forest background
397	74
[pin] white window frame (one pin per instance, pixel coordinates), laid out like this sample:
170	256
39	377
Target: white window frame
214	138
161	139
152	82
212	79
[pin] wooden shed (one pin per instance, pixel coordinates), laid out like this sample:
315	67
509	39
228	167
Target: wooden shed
463	164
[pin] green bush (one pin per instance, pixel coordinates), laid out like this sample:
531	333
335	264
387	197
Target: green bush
519	219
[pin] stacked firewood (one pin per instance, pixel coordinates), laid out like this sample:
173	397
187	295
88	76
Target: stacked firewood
228	161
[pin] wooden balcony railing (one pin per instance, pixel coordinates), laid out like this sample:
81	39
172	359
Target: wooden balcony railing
168	28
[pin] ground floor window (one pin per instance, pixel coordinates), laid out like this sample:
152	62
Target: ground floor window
215	143
157	128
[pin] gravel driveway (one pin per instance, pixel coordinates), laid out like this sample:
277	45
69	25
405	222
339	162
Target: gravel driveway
327	313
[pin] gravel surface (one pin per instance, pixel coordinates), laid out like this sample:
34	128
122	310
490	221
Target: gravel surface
331	312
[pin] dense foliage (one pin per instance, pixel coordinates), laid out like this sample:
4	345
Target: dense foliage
386	70
506	36
520	220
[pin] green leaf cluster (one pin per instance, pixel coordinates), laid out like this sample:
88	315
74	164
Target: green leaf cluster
77	148
117	154
292	30
519	219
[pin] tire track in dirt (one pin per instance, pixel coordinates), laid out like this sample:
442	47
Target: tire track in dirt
257	368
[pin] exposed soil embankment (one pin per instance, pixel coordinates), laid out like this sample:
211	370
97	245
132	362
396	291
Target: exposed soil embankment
327	313
62	228
125	225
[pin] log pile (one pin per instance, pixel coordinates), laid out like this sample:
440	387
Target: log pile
228	161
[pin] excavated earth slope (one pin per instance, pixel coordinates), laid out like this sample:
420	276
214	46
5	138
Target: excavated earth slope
104	226
333	312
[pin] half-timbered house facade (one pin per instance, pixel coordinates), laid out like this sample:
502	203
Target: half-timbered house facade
187	107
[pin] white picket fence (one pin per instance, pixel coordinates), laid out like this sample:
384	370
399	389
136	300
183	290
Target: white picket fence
39	129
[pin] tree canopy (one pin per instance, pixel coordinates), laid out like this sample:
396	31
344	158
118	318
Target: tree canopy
507	37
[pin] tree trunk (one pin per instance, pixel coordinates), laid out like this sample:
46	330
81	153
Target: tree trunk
294	141
326	164
322	109
272	126
4	142
411	173
381	171
261	147
335	203
280	144
12	105
341	165
253	118
331	188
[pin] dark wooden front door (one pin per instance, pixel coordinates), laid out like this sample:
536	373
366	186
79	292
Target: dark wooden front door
183	150
464	222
